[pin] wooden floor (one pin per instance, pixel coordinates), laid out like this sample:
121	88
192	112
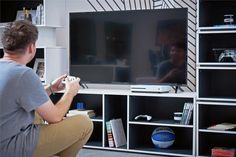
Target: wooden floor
102	153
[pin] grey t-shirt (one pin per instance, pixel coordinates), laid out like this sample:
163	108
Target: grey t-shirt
21	92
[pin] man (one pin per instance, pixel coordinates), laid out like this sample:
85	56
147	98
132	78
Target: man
173	70
21	94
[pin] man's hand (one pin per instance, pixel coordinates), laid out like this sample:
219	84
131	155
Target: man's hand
57	84
72	86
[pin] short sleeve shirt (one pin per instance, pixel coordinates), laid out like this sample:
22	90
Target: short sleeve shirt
21	92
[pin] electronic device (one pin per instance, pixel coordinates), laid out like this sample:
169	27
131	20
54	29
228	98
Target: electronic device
150	88
228	56
128	47
224	54
143	117
70	78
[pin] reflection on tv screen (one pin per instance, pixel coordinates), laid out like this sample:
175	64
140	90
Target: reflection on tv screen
129	47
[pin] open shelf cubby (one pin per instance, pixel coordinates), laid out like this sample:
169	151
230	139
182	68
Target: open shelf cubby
211	12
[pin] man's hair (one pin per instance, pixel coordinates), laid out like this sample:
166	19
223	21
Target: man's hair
18	35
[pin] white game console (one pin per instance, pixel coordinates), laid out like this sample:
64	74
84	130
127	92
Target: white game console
150	88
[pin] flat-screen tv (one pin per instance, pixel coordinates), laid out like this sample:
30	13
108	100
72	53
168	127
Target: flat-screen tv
129	47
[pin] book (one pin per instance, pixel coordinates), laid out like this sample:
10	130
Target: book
89	113
223	126
189	114
222	152
111	142
185	113
118	132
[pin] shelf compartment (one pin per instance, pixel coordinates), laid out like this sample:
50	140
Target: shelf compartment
140	139
160	108
211	12
92	102
209	140
115	107
209	115
212	45
9	8
51	17
217	83
96	139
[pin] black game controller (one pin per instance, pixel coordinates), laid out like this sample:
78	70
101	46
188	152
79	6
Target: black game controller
70	78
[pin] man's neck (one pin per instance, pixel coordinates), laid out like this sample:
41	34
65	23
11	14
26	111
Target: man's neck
17	58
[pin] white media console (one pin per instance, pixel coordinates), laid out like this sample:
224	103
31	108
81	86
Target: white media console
122	103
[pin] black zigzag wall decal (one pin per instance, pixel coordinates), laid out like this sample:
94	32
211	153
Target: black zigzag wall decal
112	5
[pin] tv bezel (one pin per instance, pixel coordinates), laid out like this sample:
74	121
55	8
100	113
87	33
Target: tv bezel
126	85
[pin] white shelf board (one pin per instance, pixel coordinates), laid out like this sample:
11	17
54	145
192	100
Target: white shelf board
160	124
217	103
216	31
222	27
217	131
217	68
3	25
96	120
216	99
215	64
127	92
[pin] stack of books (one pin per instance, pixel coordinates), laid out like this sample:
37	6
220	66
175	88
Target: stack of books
115	133
111	141
187	113
89	113
223	126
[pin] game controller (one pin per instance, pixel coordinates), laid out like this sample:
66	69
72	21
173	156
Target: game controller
143	117
70	78
227	56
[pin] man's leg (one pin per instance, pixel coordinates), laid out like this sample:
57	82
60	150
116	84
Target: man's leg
65	138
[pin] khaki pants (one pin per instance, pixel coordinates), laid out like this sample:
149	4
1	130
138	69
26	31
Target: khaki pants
65	138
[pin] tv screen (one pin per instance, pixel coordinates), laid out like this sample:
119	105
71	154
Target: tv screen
129	47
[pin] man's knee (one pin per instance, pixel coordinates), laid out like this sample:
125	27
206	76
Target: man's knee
83	122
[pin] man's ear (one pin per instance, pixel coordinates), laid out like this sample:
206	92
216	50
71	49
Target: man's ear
31	48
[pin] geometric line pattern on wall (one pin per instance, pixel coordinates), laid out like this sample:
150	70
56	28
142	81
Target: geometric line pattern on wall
113	5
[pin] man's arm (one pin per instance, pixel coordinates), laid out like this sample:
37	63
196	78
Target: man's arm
56	85
55	113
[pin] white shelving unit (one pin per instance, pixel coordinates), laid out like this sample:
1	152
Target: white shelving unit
215	80
55	57
109	104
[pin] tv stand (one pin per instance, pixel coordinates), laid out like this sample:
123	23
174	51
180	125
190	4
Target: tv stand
176	88
111	104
